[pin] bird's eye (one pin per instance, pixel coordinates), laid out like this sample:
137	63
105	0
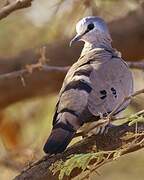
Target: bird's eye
90	26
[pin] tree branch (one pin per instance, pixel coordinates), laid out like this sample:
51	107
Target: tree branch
26	71
13	6
116	138
47	68
136	64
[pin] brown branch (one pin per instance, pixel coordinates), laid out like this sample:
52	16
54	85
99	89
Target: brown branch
47	68
36	67
13	6
136	64
114	139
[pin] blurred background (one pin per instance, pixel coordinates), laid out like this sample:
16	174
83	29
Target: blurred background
26	111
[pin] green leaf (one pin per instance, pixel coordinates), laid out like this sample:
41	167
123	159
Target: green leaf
134	119
75	161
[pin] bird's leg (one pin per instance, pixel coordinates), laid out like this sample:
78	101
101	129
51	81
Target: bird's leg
107	127
103	129
95	126
90	128
79	134
85	129
99	126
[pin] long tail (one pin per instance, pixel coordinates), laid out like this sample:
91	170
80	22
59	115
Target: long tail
59	138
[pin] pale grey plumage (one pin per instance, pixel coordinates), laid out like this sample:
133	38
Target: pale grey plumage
94	85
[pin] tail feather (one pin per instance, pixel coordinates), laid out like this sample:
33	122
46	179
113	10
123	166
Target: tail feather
58	140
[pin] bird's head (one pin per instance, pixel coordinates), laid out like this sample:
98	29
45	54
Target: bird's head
91	29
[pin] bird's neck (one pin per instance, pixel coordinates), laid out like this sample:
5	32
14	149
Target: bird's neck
99	41
95	45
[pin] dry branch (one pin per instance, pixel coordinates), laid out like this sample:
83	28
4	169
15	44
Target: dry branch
26	71
47	68
13	6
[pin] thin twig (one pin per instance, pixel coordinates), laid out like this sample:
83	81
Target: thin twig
140	113
23	81
22	72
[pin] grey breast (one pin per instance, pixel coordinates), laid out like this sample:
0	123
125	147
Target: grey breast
111	82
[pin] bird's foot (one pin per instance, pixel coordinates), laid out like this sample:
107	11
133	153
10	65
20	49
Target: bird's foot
107	127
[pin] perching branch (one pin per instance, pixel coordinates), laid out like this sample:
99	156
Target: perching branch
13	6
116	138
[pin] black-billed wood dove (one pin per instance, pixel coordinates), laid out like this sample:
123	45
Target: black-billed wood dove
93	86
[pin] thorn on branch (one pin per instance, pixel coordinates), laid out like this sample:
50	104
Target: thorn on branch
41	61
23	81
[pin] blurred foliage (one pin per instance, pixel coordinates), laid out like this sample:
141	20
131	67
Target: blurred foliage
32	117
24	127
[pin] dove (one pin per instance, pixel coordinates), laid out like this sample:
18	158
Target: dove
93	86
